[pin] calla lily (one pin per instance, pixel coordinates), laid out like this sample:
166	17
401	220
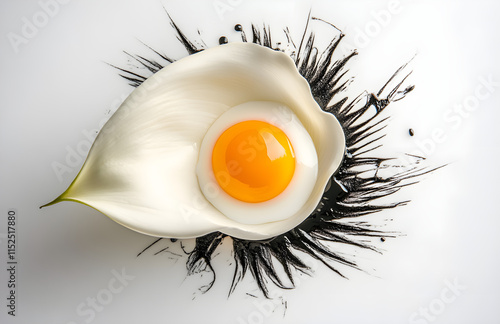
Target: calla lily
141	169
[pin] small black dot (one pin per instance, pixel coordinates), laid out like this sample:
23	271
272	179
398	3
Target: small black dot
411	131
173	240
382	239
238	27
223	40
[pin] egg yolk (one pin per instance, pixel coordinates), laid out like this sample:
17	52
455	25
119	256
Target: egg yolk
253	161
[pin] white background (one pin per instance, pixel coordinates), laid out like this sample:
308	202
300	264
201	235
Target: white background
57	86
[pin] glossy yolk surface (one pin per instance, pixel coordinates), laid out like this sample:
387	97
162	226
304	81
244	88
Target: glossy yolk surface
253	161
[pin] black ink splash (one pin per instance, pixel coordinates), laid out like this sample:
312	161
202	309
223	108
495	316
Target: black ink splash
352	193
223	40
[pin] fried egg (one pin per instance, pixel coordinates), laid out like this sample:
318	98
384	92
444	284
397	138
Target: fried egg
257	163
229	139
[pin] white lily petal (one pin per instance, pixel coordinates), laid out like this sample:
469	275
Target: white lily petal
140	170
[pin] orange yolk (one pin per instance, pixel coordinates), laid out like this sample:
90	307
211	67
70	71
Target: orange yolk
253	161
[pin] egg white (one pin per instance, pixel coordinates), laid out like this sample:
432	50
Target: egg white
141	169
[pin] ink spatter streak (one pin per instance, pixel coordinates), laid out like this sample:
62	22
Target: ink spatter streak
351	193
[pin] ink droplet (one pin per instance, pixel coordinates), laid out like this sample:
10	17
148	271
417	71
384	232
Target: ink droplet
223	40
238	27
411	131
173	240
382	239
